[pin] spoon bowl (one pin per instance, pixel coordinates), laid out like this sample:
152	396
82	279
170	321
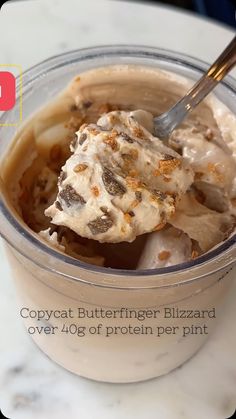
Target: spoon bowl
165	123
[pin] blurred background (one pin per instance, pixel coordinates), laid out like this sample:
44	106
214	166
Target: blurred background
221	10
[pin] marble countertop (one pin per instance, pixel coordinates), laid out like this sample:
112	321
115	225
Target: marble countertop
31	386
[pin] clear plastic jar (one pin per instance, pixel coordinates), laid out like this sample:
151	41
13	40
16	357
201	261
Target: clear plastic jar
48	280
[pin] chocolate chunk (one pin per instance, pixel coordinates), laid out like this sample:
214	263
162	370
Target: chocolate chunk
138	196
74	141
126	137
83	138
131	213
58	206
70	196
168	157
52	229
104	209
159	194
103	129
62	177
113	187
87	104
100	224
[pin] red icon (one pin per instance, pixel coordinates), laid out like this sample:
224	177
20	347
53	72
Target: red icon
7	90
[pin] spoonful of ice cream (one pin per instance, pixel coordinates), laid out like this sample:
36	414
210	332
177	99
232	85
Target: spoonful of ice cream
168	121
120	182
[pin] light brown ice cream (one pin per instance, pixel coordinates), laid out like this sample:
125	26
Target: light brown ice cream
116	181
120	181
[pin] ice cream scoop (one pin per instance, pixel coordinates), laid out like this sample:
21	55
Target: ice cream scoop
120	182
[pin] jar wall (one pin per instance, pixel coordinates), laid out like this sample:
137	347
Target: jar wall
110	355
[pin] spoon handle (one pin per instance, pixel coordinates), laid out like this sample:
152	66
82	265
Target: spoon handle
218	70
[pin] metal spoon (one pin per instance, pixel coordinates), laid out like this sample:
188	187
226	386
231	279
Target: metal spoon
168	121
